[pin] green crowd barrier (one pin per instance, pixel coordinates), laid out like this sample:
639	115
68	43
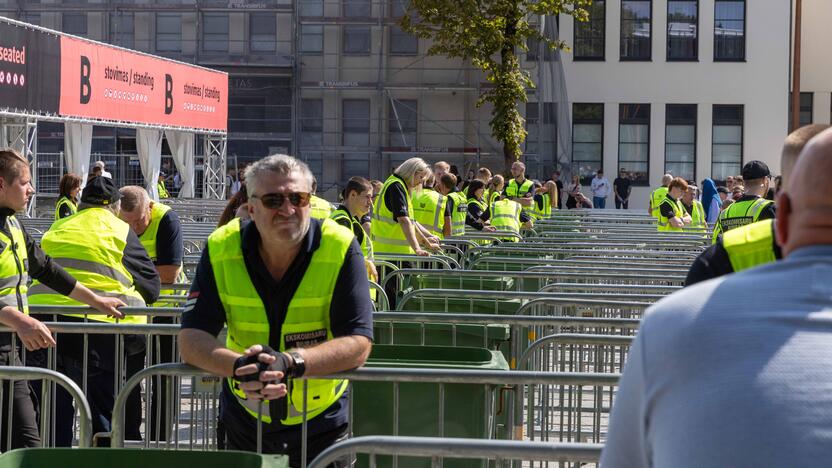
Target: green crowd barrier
137	458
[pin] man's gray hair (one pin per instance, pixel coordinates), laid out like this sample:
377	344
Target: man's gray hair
280	164
134	197
114	208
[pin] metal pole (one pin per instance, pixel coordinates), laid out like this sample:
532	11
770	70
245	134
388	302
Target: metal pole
795	104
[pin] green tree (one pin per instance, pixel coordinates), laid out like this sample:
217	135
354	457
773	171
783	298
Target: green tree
489	33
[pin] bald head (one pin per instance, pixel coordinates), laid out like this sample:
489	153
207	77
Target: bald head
804	209
793	146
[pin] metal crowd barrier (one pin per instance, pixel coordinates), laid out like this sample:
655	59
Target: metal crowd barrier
437	449
497	302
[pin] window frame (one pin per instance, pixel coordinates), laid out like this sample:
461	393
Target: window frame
621	20
742	135
260	16
695	57
744	32
345	28
204	33
392	30
393	133
575	37
164	14
646	181
306	33
115	19
600	122
668	123
76	14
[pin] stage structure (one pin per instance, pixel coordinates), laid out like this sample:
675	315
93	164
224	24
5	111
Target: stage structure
47	75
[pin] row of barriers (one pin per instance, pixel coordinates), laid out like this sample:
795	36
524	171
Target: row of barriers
488	342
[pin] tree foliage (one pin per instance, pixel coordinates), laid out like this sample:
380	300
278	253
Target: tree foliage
489	33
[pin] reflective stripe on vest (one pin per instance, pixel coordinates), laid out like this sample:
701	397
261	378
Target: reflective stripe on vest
663	223
751	245
545	211
90	246
656	198
698	215
321	209
505	216
739	214
458	214
64	201
162	190
429	210
306	322
514	190
387	234
366	243
14	277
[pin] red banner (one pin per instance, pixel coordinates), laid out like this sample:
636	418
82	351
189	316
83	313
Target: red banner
106	83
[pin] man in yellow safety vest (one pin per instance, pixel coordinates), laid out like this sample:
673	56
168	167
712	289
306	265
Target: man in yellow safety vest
309	275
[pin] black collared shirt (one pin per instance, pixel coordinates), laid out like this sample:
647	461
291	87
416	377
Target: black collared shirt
350	313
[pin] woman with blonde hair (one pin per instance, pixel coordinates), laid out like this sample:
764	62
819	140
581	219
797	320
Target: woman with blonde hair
394	230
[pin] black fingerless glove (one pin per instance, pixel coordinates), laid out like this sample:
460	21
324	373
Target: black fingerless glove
281	363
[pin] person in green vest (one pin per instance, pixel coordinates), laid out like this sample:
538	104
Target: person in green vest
656	196
694	208
495	188
507	215
22	259
545	198
429	210
457	203
69	187
672	216
160	186
293	293
321	209
753	244
751	206
358	198
519	188
103	254
160	233
477	212
394	230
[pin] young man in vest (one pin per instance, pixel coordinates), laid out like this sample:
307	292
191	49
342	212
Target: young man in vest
754	244
751	206
21	258
429	210
507	215
519	188
160	232
656	196
102	253
160	187
694	208
456	203
672	216
309	275
358	198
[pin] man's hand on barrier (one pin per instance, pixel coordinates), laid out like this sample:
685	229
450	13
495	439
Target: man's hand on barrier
109	306
261	372
489	228
33	333
422	253
372	273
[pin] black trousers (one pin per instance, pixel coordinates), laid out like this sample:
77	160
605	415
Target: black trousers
231	439
619	204
24	428
160	427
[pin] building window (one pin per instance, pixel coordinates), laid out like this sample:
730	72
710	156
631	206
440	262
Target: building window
311	7
311	38
356	8
215	32
587	140
541	128
590	37
806	110
356	40
402	121
355	126
729	30
402	43
682	30
75	23
262	32
727	141
168	32
121	29
634	141
312	133
636	18
680	140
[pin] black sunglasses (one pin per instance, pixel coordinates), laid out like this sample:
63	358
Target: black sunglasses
274	201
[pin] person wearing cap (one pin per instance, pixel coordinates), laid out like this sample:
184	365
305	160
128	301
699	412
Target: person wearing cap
753	244
21	258
160	233
656	196
160	186
751	206
104	254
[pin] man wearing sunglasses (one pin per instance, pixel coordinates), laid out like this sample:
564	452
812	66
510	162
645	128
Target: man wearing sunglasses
294	293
